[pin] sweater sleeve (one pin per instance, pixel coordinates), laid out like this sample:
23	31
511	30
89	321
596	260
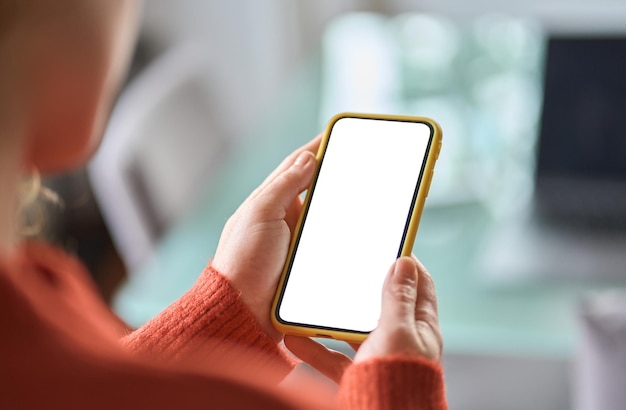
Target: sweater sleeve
210	315
393	383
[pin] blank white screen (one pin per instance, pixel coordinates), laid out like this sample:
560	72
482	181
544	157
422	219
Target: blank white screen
355	223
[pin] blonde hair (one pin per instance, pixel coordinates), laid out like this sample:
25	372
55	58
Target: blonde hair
33	197
33	200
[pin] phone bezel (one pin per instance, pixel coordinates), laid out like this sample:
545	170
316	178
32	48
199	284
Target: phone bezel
408	236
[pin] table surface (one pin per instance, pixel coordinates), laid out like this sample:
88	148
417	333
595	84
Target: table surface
476	315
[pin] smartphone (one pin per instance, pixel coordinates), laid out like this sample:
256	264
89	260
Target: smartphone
360	213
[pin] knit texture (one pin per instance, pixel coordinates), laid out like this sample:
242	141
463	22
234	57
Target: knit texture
60	348
396	382
211	315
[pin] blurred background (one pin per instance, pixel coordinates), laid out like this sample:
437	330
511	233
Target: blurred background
524	230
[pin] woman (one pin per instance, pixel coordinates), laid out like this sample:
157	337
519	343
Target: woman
60	346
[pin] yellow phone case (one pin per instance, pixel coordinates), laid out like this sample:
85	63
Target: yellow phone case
433	153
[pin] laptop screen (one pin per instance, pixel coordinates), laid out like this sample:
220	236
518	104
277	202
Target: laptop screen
583	124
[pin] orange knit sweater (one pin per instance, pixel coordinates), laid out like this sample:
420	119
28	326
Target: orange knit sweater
61	347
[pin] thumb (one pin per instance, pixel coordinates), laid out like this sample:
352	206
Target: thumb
330	363
400	294
283	189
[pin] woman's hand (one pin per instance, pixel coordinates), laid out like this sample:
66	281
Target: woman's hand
255	240
408	324
329	362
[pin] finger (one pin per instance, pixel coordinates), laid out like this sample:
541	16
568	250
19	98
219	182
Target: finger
355	346
293	213
311	146
285	188
400	294
426	294
330	363
426	310
426	307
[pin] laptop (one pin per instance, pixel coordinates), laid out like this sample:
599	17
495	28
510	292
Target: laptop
581	157
576	226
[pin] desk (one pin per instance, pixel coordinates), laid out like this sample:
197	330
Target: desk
476	317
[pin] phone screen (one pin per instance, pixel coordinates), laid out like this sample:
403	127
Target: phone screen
355	224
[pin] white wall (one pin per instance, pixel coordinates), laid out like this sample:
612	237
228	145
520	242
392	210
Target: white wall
557	15
254	45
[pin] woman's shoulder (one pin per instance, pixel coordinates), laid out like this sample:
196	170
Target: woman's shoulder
49	262
40	270
43	286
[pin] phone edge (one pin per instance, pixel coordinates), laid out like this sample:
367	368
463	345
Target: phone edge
411	233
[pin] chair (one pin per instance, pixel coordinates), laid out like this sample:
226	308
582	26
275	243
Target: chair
160	148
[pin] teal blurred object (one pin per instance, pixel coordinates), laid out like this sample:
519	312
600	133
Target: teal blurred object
480	79
476	316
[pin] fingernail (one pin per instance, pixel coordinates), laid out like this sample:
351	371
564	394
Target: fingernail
405	264
304	159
